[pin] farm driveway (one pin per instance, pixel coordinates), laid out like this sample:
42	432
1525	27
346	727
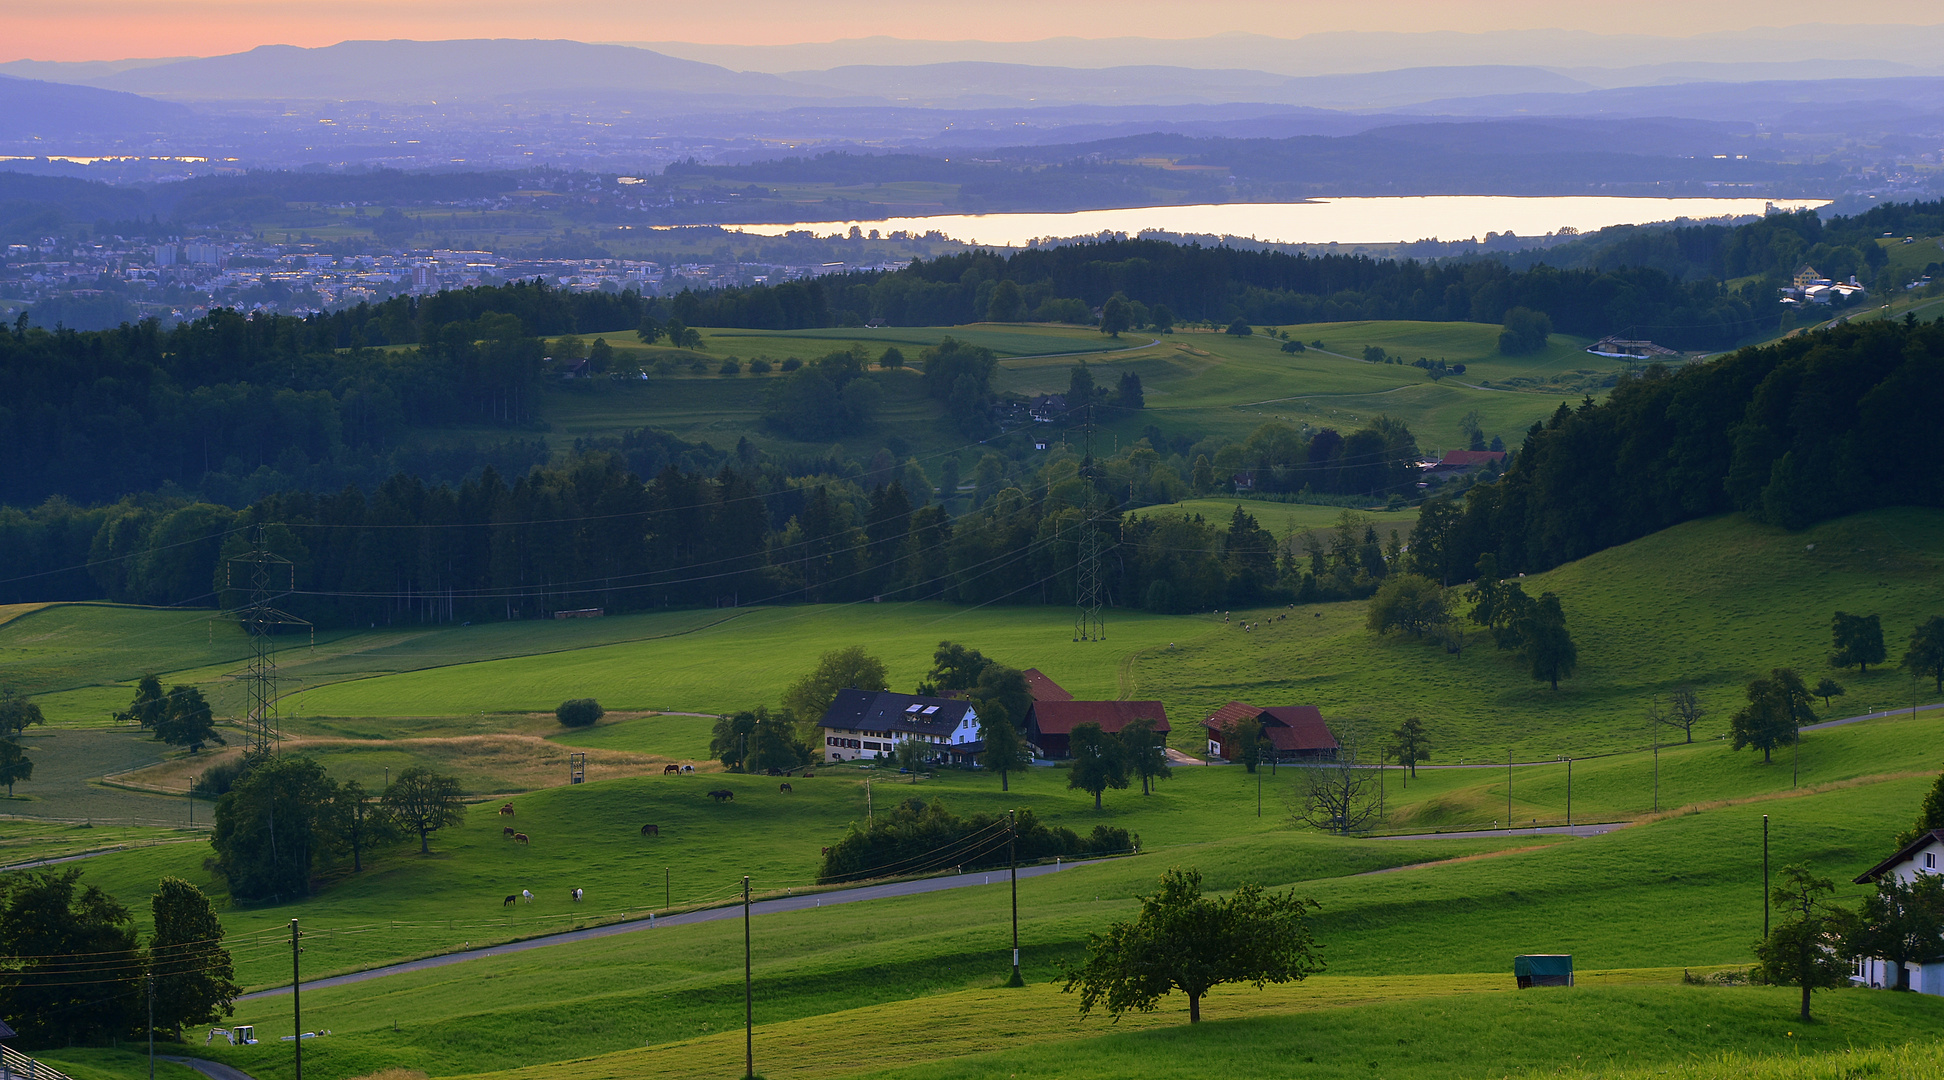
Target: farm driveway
215	1070
761	907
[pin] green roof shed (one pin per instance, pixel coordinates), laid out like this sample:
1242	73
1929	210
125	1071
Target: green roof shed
1543	969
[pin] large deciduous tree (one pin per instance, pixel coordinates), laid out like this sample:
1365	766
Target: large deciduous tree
188	720
1804	948
424	802
272	827
1005	750
1099	761
1185	941
1410	744
15	765
1925	657
1856	639
839	669
1544	641
1410	603
68	959
195	981
1778	705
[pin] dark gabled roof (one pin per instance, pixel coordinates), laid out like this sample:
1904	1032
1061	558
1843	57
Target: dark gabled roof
1043	688
5	1031
1904	854
884	711
1061	717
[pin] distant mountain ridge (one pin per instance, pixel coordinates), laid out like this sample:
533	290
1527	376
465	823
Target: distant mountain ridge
32	108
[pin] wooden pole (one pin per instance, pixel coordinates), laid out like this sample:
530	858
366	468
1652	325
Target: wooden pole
749	1008
296	1008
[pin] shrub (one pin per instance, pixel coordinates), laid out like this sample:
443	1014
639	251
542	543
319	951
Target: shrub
579	712
1240	328
217	780
791	363
730	366
1293	346
759	367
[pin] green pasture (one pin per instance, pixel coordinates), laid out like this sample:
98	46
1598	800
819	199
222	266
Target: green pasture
1286	519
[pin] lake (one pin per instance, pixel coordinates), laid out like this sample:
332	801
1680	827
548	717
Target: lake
1364	220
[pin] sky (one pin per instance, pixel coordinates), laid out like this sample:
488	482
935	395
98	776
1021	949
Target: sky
121	29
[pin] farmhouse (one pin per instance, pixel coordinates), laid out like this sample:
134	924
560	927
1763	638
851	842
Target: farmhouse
1924	855
871	724
1461	462
1294	732
1050	723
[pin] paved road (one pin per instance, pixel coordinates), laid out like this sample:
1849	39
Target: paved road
761	907
1483	834
1869	716
92	854
215	1070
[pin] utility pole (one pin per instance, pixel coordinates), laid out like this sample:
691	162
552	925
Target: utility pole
1765	878
1656	724
151	1016
1012	858
1508	787
749	1008
668	891
296	1010
1569	793
1258	789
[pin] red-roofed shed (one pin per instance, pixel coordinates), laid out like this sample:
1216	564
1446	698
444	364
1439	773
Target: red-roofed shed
1294	732
1050	723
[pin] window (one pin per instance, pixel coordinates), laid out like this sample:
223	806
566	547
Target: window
1930	860
929	709
917	708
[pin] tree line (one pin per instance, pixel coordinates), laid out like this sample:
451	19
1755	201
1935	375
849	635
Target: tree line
1813	427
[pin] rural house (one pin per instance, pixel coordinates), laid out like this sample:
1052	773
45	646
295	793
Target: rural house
1461	462
1050	724
1924	855
1294	732
871	723
1043	688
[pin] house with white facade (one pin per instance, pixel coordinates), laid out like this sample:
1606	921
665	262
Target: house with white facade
1924	855
868	724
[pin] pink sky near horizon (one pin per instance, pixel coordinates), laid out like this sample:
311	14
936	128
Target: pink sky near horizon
122	29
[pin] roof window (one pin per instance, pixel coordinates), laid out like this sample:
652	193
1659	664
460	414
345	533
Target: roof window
930	709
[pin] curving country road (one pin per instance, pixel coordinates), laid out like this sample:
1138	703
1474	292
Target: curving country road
760	907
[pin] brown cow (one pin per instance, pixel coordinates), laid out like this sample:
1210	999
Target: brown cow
507	810
671	770
506	830
723	795
784	789
808	775
651	830
825	852
521	838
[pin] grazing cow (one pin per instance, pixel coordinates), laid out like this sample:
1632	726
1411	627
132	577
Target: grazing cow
670	770
507	810
577	896
688	768
808	775
784	788
506	831
510	898
526	895
651	830
774	772
521	838
723	795
825	852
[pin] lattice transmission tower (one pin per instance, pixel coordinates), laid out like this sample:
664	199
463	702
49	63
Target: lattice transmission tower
259	619
1088	624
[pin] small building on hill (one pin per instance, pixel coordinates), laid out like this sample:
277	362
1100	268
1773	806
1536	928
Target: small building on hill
1294	732
871	723
1924	855
1463	462
1050	724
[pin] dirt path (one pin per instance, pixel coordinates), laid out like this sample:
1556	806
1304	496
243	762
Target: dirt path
215	1070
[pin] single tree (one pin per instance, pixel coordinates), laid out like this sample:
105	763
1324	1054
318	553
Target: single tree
195	982
1240	328
71	959
955	668
1338	797
1828	688
1804	948
362	822
271	827
1684	710
1184	941
729	742
1130	395
1116	315
1925	657
1499	606
18	712
774	742
150	706
1777	706
424	802
579	712
650	330
1545	642
1004	687
1080	386
1410	744
1411	603
839	669
1147	752
188	721
1901	924
1856	639
1099	761
1005	750
892	358
15	765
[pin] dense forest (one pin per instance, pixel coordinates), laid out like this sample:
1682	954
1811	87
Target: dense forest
1814	427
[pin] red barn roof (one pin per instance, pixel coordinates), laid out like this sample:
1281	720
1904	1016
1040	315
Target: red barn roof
1465	459
1061	717
1287	727
1044	689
